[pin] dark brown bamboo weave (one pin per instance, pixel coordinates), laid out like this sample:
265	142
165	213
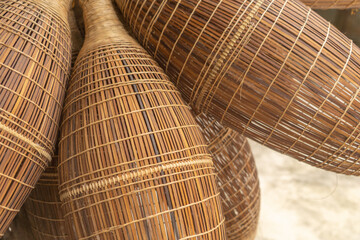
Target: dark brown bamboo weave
237	178
274	70
34	67
43	206
332	4
134	164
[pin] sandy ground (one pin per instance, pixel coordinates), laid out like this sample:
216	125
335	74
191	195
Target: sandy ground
300	202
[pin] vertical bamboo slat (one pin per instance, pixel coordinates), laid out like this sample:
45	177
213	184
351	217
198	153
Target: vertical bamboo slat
274	70
34	67
134	164
332	4
237	179
43	206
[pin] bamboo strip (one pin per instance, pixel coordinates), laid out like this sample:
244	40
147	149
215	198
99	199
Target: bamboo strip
237	178
133	162
332	4
34	67
274	70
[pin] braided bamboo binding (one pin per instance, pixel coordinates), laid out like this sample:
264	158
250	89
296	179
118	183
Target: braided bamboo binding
332	4
274	70
43	207
34	67
237	178
134	164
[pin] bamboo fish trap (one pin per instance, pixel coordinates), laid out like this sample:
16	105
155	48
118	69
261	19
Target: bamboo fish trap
237	178
274	70
335	4
133	162
34	67
43	206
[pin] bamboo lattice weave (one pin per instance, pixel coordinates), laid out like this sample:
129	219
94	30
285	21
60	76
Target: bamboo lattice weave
328	4
237	178
43	207
273	70
34	67
134	164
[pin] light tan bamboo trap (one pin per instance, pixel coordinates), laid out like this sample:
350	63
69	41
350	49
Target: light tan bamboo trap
335	4
237	178
274	70
43	206
34	67
134	164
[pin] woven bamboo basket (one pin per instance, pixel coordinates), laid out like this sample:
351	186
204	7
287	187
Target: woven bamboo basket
274	70
34	67
332	4
43	206
237	178
133	161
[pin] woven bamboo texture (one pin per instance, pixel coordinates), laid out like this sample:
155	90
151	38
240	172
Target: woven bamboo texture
43	206
274	70
237	178
34	67
333	4
134	164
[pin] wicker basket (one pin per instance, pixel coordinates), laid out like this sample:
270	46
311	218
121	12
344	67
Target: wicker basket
274	70
34	67
133	162
336	4
43	207
237	178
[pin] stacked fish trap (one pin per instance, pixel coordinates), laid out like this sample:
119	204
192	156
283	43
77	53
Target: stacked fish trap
34	67
274	70
43	206
133	162
335	4
237	178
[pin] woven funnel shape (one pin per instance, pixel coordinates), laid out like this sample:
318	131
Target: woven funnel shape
237	178
34	67
336	4
275	71
43	206
134	164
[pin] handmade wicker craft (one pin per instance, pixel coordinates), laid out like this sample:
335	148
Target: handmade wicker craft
237	178
34	67
336	4
272	69
134	164
43	206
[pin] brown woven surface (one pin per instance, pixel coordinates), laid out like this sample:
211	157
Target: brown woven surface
237	178
273	70
335	4
43	206
34	67
134	164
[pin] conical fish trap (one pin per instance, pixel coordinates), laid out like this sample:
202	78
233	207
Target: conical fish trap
238	181
34	67
273	70
336	4
134	164
43	206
